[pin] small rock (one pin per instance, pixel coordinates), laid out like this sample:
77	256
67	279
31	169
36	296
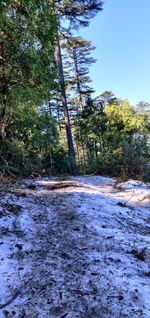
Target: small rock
121	297
19	246
147	274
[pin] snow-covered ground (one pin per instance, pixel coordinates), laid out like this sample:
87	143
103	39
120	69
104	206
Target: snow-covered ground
78	251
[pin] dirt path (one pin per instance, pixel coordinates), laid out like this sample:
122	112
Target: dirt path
77	251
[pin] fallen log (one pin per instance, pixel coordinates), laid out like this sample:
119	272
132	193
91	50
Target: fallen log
66	184
63	184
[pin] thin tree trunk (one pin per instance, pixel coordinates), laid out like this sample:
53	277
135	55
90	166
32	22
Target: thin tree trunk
3	116
96	150
77	78
83	158
65	108
78	153
50	109
50	158
58	116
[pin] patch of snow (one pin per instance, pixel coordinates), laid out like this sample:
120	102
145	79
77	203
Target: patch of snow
77	251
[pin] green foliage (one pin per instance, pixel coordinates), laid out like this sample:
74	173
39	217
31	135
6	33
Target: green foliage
77	60
33	138
78	13
27	69
110	136
114	140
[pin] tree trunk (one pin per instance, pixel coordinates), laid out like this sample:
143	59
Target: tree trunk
84	161
77	78
58	116
65	108
4	89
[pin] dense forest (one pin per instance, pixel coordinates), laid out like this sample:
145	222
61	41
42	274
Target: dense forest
50	123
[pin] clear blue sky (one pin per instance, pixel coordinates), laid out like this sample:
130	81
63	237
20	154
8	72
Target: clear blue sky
121	33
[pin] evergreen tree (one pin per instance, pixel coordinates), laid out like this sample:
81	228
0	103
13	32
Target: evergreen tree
143	107
107	98
77	13
91	125
65	108
78	62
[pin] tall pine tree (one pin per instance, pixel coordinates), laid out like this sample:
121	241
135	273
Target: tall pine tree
77	13
78	60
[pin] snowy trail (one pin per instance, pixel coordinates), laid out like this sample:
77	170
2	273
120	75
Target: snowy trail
75	252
